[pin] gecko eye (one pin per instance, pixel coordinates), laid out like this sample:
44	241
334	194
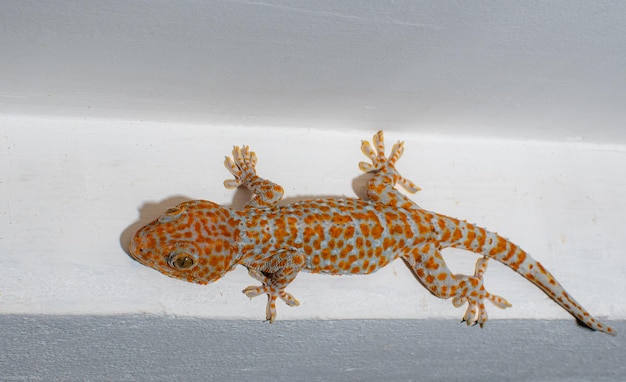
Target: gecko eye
182	260
171	214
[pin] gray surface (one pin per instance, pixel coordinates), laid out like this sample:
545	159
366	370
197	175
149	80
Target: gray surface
148	348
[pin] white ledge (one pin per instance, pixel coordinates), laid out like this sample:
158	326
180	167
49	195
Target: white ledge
74	191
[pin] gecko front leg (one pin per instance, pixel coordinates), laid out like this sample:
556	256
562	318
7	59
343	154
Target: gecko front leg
274	272
243	167
381	187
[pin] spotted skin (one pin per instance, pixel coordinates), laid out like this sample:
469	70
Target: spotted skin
199	241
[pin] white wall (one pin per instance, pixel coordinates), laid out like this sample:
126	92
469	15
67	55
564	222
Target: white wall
523	69
111	112
73	192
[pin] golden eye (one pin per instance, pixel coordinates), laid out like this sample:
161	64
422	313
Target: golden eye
181	260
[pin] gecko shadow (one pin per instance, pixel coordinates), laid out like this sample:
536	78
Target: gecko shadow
148	212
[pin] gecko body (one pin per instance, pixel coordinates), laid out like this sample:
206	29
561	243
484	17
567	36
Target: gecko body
199	241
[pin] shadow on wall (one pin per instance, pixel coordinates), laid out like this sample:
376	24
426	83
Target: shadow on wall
147	213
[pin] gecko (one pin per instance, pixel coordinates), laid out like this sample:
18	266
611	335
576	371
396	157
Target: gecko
199	241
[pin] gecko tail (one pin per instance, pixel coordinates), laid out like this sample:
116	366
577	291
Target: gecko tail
494	246
521	262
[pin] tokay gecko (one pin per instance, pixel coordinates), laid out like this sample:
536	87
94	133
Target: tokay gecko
199	241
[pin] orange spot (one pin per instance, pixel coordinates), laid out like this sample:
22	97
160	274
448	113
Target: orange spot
335	231
382	261
365	229
359	242
316	244
331	244
431	264
315	261
396	229
510	254
456	235
442	224
377	231
348	233
346	250
326	254
390	217
446	236
307	234
319	230
387	242
423	229
520	259
471	235
198	228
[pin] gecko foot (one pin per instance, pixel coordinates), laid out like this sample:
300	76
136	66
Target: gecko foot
242	166
272	292
475	295
385	164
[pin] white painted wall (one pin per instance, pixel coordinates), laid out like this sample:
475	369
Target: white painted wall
111	112
522	69
73	191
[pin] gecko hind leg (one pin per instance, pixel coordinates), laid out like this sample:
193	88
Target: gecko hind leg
382	186
429	267
476	312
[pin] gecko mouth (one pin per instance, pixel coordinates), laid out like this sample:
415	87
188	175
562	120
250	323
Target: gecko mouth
132	248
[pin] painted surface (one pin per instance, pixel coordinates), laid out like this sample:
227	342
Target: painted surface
74	191
149	348
542	70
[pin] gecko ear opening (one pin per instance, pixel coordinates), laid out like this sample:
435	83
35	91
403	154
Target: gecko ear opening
172	214
181	259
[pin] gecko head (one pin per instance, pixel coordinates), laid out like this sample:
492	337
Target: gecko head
187	242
